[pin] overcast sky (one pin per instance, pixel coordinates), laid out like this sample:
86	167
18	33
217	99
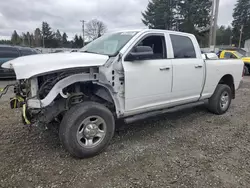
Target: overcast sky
65	15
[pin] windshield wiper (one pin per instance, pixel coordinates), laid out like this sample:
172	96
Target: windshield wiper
86	51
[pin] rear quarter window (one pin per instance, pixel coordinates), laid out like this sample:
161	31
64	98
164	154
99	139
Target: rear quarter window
183	47
8	52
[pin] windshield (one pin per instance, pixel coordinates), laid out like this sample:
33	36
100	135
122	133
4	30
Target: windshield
109	44
239	55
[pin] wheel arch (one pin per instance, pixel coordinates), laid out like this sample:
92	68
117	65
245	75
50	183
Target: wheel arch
228	80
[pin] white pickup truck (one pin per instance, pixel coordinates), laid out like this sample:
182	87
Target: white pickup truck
126	75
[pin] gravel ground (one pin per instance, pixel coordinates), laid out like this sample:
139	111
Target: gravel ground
189	148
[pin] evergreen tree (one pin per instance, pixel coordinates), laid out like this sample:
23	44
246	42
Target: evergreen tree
28	39
64	39
47	35
241	17
24	39
37	37
15	39
159	14
194	15
224	36
32	40
76	41
80	42
58	38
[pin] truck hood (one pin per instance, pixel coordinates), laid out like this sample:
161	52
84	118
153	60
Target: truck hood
246	59
28	66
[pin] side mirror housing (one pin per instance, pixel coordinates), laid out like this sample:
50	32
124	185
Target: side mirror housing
140	53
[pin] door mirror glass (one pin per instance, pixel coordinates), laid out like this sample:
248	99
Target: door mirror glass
140	53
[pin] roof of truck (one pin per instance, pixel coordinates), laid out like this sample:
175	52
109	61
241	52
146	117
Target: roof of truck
150	30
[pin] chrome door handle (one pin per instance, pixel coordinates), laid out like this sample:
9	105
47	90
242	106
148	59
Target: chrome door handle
164	68
198	66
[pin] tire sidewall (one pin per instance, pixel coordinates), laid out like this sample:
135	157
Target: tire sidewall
221	91
69	128
246	71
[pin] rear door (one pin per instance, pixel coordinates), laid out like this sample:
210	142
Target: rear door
188	69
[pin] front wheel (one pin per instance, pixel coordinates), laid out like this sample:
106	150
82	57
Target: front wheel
86	129
220	100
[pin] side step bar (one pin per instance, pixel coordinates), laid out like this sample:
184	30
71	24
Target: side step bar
132	119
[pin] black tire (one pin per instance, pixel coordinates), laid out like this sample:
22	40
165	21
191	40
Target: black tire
72	122
214	103
246	70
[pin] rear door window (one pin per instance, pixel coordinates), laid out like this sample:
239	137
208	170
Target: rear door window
183	47
8	52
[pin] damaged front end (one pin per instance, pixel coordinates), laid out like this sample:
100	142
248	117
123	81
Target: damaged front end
45	98
21	90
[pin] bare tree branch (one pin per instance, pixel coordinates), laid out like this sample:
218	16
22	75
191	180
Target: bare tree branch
94	29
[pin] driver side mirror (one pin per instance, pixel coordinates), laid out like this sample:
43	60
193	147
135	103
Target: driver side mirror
140	53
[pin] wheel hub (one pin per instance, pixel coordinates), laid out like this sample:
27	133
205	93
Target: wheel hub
91	130
224	100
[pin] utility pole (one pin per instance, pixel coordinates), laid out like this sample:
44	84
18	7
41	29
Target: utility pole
83	41
211	24
215	21
241	32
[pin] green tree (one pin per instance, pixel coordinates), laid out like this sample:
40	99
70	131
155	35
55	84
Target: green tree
241	17
190	16
64	39
24	39
224	36
160	14
194	15
58	38
37	37
47	35
76	41
80	42
32	40
28	39
15	39
5	42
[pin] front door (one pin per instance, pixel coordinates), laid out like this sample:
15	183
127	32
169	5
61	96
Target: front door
148	81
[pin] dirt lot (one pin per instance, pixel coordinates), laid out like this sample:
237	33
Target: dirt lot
189	148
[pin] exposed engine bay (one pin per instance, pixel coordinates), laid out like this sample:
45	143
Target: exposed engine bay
46	97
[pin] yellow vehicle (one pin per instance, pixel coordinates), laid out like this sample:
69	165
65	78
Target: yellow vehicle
230	54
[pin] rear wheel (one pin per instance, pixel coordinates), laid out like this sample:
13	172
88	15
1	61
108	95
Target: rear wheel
220	100
86	129
246	70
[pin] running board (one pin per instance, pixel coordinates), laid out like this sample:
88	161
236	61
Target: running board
159	112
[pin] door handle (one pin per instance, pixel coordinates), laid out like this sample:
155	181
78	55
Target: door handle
198	66
164	68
